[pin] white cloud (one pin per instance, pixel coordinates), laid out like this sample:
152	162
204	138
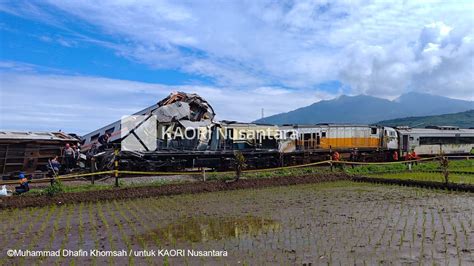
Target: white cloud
256	49
81	104
377	47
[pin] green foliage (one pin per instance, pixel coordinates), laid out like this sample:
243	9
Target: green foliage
55	188
458	165
444	165
240	164
422	176
462	119
369	169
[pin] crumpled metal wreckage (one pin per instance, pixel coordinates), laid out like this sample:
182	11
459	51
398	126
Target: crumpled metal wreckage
179	109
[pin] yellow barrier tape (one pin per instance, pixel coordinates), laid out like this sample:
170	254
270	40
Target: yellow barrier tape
159	173
72	176
64	177
286	167
86	174
225	172
386	163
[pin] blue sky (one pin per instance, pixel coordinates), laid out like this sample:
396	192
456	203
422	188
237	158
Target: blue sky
77	65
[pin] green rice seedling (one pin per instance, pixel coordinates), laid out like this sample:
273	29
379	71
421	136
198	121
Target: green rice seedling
140	216
105	223
15	222
466	234
70	210
124	236
402	237
423	235
127	219
26	232
81	224
10	218
54	230
93	228
40	231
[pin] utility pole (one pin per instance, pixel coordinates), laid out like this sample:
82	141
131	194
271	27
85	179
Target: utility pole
263	113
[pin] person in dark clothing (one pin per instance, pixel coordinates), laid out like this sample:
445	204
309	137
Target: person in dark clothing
23	187
55	165
104	141
69	157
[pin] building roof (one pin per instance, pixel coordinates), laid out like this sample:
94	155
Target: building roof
24	135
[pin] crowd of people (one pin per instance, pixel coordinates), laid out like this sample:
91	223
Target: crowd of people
64	163
70	156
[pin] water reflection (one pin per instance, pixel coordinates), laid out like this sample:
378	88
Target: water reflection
201	229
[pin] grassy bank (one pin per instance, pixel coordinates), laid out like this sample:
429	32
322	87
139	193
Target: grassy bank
397	171
421	176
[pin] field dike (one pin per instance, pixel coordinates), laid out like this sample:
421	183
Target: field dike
210	186
164	190
415	183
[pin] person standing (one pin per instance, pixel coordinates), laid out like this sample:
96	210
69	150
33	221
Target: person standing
395	156
69	157
104	141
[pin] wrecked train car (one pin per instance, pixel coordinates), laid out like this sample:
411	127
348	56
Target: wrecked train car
178	110
29	152
178	117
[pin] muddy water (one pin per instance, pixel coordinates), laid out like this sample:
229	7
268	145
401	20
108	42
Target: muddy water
204	228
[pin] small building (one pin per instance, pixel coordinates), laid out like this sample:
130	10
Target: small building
30	151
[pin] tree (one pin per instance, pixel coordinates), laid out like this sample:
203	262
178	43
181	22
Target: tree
444	165
239	164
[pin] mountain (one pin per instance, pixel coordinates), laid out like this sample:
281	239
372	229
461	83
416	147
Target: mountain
462	120
364	109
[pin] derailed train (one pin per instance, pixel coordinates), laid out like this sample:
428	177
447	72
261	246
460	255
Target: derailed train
187	137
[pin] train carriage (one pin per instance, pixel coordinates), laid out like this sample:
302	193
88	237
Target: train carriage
343	137
435	140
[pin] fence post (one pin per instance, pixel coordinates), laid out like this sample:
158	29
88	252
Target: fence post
203	174
116	173
93	169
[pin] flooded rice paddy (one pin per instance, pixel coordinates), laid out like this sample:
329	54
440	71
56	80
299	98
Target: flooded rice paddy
329	223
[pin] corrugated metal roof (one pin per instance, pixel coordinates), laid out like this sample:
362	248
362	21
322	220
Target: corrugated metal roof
22	135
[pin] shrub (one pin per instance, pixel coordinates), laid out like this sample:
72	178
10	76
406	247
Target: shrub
55	188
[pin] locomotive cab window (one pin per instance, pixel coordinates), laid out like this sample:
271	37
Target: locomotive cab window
323	134
373	130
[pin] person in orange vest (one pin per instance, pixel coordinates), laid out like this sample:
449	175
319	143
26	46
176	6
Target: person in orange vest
414	156
395	156
336	156
408	156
